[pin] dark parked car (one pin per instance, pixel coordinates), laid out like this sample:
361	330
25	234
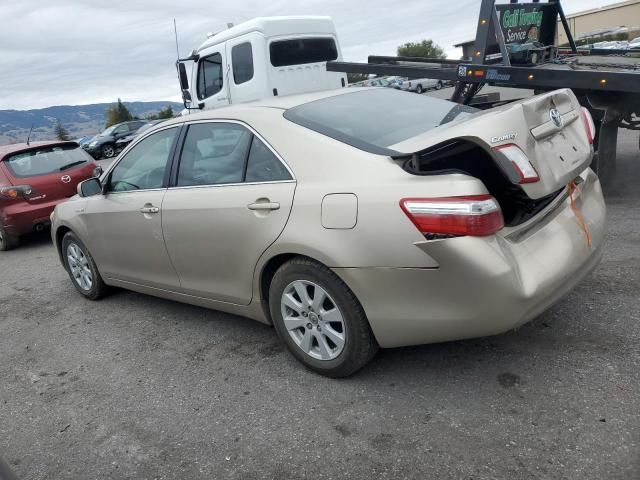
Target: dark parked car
34	178
104	144
124	141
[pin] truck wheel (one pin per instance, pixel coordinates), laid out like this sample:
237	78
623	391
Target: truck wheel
419	89
108	150
604	159
7	242
319	319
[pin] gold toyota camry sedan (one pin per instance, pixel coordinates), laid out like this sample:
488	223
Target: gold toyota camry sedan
350	220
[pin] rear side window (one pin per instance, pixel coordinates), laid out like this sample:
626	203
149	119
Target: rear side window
376	119
263	165
209	76
302	50
242	61
44	161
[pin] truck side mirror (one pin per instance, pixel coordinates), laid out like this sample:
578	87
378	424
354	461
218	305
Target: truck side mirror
184	80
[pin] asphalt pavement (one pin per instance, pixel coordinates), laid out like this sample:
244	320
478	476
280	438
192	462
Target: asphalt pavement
138	387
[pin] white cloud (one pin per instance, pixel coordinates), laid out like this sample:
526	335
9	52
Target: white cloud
86	51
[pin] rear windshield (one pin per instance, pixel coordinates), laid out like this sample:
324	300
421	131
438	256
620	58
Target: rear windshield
46	160
375	119
302	50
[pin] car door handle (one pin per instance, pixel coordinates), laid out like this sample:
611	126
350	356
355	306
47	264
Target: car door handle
264	206
149	210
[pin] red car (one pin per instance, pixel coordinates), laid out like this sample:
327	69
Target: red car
34	178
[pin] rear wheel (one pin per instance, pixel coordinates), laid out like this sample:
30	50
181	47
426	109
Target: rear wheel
7	242
108	150
438	85
82	269
419	89
319	319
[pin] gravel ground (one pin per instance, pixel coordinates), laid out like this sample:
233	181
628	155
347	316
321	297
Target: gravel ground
138	387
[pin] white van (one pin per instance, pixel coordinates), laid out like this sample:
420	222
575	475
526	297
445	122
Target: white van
261	58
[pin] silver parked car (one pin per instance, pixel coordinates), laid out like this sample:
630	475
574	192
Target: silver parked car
346	232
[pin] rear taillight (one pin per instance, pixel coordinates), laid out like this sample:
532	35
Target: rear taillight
13	192
589	126
520	162
477	215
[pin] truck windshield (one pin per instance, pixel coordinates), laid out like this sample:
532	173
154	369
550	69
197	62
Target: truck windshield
46	160
375	119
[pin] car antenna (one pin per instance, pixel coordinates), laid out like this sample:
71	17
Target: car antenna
29	136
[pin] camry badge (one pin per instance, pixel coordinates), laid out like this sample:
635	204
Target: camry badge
556	117
65	179
502	138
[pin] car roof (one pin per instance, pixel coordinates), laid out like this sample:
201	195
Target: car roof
6	150
280	103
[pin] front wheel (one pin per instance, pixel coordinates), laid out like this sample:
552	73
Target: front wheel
319	319
419	89
438	85
7	242
108	150
82	269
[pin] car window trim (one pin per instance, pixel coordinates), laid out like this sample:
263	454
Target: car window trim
170	160
173	182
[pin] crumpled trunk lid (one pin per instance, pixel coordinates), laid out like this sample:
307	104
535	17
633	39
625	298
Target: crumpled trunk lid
548	128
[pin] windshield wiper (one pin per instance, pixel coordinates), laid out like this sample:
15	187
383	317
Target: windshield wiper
65	167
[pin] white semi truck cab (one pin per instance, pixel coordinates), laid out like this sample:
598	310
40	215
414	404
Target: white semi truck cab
261	58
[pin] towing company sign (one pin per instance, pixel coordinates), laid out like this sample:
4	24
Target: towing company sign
528	22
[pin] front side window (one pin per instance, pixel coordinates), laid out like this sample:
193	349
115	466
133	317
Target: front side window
242	61
209	76
302	50
46	160
213	153
144	166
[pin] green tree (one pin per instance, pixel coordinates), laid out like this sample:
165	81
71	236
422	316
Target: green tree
165	113
61	132
356	77
117	113
425	48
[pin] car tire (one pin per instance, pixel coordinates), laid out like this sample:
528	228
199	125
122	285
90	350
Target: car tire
108	150
347	341
7	242
438	85
419	89
82	269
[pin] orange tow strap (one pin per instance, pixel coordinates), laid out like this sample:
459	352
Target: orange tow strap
572	187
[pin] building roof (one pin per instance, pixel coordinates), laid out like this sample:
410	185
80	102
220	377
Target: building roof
468	42
604	8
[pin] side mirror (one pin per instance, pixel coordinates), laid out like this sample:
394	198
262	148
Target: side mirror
90	187
182	73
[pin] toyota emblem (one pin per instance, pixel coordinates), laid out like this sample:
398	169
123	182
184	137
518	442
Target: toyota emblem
556	117
65	179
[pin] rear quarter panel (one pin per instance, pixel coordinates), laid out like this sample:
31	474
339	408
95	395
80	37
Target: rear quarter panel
383	236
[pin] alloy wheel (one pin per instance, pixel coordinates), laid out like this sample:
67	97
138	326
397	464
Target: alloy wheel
313	320
79	266
108	151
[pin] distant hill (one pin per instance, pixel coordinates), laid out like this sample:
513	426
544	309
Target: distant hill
79	120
